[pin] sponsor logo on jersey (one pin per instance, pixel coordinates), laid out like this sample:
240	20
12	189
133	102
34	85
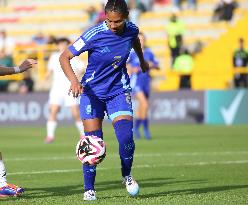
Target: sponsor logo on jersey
105	49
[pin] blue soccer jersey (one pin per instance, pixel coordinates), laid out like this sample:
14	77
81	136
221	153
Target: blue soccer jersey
106	73
140	82
133	59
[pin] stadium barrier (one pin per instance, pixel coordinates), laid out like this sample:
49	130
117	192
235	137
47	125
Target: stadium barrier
210	107
226	107
171	107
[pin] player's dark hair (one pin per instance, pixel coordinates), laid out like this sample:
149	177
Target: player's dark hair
119	6
63	40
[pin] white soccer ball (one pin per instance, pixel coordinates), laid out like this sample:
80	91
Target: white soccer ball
91	150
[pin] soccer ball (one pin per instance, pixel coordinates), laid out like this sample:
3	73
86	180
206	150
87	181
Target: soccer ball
91	150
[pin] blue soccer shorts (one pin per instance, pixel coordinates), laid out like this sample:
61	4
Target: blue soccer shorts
92	107
141	83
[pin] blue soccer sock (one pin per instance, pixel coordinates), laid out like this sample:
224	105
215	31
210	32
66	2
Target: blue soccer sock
136	128
124	134
147	133
90	170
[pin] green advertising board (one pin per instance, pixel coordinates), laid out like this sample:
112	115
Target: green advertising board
226	107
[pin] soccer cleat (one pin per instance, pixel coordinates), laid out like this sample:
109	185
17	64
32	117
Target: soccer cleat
11	190
131	185
90	195
49	140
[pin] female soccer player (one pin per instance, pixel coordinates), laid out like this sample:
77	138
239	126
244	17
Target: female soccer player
105	85
58	92
5	188
140	83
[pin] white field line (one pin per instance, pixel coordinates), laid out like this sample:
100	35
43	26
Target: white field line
136	155
135	167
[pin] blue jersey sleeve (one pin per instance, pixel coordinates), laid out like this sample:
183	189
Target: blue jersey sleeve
79	46
86	41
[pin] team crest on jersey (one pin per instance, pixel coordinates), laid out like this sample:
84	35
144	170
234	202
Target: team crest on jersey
88	109
116	60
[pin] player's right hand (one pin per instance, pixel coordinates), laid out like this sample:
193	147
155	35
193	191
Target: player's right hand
27	64
76	89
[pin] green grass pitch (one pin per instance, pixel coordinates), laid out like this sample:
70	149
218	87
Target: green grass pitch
182	164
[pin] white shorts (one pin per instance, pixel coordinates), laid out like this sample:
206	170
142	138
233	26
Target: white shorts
58	97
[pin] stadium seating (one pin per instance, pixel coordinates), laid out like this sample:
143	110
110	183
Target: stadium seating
214	64
198	28
24	19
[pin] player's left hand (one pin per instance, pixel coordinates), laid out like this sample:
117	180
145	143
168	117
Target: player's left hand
76	89
144	66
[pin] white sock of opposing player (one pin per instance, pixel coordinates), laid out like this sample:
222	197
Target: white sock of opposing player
3	180
80	127
51	126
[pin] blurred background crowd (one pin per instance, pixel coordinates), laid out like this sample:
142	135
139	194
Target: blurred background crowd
200	44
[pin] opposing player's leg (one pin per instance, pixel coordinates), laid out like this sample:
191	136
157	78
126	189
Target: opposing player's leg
74	106
92	113
137	121
76	117
6	189
52	123
121	114
56	100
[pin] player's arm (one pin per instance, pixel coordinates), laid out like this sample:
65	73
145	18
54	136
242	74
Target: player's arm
76	88
153	63
138	50
27	64
50	66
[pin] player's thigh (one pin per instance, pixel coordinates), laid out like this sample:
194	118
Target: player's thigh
120	107
142	99
75	112
144	84
53	110
91	112
73	103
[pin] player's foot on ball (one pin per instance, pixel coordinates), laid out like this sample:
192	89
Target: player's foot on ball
131	185
49	140
90	195
11	190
